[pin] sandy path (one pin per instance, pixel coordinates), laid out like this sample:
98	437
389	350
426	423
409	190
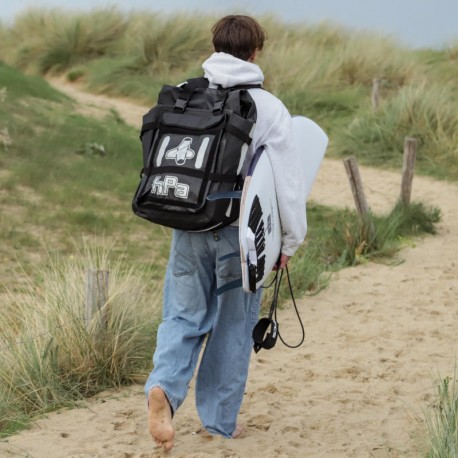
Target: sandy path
375	339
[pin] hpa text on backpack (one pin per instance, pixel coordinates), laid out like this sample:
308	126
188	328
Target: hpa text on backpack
194	144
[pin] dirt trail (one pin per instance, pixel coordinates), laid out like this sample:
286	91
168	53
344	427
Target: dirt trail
375	340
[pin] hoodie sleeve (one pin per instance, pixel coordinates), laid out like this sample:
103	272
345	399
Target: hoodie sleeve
289	182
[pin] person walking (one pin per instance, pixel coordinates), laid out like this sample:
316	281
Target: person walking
192	312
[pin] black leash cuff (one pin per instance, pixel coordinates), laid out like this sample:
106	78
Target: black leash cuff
261	337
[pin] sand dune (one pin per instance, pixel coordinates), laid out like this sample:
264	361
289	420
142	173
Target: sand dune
375	340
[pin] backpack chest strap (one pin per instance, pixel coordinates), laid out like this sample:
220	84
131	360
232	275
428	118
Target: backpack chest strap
223	178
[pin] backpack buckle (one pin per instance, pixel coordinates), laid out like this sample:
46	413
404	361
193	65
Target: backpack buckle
218	107
180	105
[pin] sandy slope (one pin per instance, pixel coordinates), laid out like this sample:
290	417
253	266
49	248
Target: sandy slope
375	339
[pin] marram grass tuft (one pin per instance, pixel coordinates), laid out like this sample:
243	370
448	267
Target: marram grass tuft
50	355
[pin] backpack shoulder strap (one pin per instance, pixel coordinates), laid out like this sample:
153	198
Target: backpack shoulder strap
202	82
195	83
246	86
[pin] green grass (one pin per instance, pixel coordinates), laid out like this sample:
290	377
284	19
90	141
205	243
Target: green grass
441	420
63	185
17	87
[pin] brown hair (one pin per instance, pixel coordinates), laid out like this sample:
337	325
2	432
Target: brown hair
238	35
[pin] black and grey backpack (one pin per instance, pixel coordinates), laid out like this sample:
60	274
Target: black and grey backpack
194	145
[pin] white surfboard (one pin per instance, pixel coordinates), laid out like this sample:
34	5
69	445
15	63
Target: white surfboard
259	224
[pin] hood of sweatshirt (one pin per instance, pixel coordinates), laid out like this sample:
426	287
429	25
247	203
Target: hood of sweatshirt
226	70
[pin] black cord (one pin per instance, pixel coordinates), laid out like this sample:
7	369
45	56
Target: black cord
273	306
272	282
277	287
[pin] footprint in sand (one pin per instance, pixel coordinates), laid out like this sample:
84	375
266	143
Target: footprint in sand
118	425
269	388
125	413
261	422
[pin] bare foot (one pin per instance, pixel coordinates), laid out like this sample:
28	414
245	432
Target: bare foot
160	419
237	431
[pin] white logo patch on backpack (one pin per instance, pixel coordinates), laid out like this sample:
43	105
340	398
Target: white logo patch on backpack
161	187
182	152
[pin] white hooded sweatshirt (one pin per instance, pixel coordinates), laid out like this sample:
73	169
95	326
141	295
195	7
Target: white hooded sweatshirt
273	133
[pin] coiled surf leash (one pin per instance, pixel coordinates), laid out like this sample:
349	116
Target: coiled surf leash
266	331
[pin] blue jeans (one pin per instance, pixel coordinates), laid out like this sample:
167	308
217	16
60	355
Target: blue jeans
191	311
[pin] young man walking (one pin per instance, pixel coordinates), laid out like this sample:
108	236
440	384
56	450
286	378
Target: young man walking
191	309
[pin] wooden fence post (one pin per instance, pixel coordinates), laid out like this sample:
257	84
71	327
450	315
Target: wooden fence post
351	167
410	153
96	296
375	98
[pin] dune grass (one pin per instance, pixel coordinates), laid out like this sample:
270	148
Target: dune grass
53	40
441	420
322	71
50	356
425	113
